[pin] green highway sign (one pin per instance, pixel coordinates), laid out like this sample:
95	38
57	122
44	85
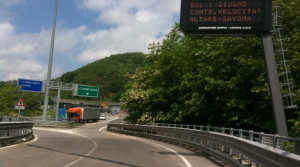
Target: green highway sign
86	91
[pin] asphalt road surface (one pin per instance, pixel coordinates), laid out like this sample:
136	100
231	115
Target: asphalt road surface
91	145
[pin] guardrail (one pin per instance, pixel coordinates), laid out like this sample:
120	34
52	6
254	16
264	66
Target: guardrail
235	146
12	119
15	131
64	123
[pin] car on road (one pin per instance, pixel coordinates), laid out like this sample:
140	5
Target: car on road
102	117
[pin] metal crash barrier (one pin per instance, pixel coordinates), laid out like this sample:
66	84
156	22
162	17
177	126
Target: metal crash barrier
236	147
15	131
54	124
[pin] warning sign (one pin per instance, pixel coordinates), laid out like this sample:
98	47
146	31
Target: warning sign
20	105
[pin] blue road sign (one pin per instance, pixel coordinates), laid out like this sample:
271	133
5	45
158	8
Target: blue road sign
61	113
30	85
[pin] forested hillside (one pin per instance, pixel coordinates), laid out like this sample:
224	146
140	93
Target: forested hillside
110	74
217	81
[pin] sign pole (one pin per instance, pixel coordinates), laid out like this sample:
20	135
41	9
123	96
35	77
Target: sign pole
245	18
274	85
20	105
57	101
50	64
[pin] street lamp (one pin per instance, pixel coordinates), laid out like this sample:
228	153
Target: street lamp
50	64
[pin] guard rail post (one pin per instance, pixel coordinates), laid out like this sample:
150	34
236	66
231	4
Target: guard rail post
261	137
241	133
231	131
223	130
297	146
251	135
275	141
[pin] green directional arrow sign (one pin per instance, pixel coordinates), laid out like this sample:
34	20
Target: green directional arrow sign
87	91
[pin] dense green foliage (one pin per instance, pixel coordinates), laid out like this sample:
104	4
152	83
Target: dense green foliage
110	74
291	19
9	96
218	81
203	80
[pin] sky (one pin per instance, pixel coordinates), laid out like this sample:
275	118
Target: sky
86	31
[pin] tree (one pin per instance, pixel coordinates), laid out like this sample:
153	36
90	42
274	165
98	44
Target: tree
218	81
8	99
291	22
9	96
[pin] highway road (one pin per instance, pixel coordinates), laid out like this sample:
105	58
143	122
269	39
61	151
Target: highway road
91	145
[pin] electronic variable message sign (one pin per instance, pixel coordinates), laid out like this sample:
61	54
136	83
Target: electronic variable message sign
223	17
30	85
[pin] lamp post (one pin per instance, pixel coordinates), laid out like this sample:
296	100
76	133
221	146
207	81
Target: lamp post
50	64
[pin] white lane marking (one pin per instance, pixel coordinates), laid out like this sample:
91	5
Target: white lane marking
187	163
87	154
100	122
109	120
35	139
102	128
92	150
106	122
74	162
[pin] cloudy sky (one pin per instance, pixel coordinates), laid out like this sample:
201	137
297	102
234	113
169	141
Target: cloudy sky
86	30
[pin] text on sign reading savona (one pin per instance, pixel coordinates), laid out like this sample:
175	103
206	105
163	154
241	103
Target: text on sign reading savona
225	11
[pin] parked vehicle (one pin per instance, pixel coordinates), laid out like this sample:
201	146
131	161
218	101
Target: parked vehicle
83	115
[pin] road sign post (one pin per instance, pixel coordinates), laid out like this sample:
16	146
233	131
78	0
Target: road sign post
20	105
274	85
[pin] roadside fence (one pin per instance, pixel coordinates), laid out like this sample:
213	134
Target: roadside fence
237	147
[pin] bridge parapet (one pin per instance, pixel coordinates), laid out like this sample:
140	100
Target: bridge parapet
235	146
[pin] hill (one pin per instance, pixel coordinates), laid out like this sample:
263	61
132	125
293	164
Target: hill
110	74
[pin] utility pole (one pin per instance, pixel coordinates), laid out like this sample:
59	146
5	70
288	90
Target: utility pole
50	64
